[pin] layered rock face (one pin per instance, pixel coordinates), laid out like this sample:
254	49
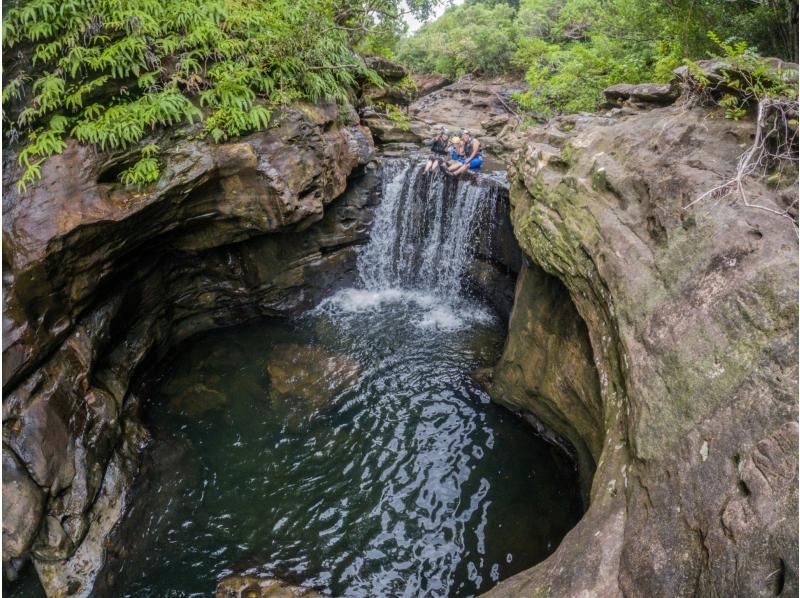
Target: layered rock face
435	102
99	280
689	317
483	107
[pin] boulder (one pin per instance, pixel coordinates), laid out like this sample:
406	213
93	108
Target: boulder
652	93
250	586
309	374
23	505
372	95
430	82
398	89
389	70
386	131
197	400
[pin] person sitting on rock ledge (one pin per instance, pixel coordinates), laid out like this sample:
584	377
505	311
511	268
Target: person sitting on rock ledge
473	159
439	149
457	155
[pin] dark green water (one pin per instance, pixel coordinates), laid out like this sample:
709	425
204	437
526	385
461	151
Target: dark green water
403	480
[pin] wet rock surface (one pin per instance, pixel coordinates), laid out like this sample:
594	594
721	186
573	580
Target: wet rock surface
548	369
309	374
250	586
100	279
690	411
23	502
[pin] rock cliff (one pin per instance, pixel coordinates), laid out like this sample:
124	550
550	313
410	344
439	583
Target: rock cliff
99	280
662	342
659	341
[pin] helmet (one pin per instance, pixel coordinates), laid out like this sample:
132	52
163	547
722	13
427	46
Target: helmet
466	132
445	132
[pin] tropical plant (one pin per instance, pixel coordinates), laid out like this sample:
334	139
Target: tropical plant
473	38
571	50
110	72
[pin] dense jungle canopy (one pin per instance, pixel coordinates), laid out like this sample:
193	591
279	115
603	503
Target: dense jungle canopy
570	50
109	72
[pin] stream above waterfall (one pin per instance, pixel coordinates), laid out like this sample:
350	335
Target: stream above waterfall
349	449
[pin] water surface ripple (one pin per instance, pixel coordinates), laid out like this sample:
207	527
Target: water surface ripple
350	450
406	481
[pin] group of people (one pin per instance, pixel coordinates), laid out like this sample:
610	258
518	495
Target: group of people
455	155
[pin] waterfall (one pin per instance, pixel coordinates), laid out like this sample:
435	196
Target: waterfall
427	229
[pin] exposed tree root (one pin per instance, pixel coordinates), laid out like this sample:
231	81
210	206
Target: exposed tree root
774	149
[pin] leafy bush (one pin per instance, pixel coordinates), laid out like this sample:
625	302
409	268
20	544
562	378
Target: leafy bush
746	79
395	115
572	49
572	78
587	45
108	72
472	38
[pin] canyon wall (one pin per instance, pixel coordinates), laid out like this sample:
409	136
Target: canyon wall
101	280
689	413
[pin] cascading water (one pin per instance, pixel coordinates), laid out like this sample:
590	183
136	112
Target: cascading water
426	230
349	450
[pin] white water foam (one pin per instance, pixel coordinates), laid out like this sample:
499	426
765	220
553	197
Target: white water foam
426	230
422	243
426	310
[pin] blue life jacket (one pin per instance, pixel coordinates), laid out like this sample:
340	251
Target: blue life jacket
454	155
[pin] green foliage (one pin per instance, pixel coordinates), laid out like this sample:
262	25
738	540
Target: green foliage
587	45
396	115
472	38
145	171
571	78
746	79
571	50
110	72
408	85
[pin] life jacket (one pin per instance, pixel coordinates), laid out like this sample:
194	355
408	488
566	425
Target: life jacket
454	155
439	146
468	149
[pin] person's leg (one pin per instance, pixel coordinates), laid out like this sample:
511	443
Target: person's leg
476	163
428	165
435	166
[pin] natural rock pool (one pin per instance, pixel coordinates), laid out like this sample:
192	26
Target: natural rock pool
348	450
